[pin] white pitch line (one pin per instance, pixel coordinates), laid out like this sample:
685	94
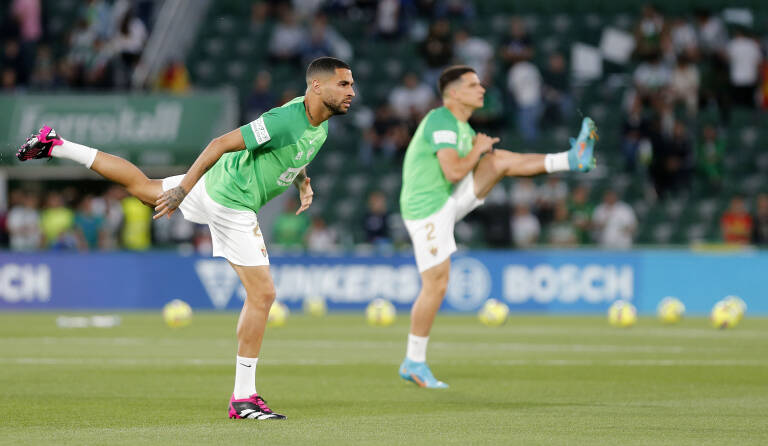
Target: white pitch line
333	362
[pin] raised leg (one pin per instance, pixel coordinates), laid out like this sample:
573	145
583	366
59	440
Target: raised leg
502	163
126	174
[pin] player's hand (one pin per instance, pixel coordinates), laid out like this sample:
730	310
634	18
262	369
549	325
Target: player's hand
484	143
306	194
169	201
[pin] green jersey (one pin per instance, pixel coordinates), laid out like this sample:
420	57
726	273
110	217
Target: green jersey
278	146
425	188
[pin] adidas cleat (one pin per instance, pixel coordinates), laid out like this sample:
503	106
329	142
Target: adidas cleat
254	408
39	145
419	373
581	155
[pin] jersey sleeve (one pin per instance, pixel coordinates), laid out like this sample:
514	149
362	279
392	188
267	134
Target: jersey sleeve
264	131
441	132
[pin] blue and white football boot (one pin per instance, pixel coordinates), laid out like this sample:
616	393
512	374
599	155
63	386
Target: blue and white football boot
581	155
419	373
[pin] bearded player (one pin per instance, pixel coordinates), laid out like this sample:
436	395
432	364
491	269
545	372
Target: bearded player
233	177
448	172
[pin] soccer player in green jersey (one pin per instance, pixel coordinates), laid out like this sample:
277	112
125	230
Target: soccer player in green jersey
233	177
448	172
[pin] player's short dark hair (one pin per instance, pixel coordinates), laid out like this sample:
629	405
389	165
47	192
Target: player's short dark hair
325	65
452	74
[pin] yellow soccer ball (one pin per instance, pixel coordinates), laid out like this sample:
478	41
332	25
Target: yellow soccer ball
622	314
737	303
493	313
724	315
177	313
314	305
278	314
380	313
670	310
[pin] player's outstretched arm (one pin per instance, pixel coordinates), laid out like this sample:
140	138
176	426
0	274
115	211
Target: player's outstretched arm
455	167
169	201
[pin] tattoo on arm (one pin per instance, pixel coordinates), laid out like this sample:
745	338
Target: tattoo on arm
175	196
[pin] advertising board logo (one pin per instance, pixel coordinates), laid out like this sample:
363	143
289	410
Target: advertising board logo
218	279
470	284
568	283
25	283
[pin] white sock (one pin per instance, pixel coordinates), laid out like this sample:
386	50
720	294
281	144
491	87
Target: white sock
76	152
556	162
245	377
417	348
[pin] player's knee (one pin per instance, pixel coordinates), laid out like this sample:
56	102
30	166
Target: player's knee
263	298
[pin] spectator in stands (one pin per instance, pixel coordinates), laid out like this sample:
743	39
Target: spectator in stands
744	57
684	85
27	14
110	205
463	10
473	51
562	231
321	238
672	161
339	46
261	97
23	222
8	80
649	31
97	15
709	157
557	89
736	223
286	39
711	32
56	222
525	227
580	210
634	135
518	45
136	233
553	191
437	50
174	78
524	192
524	83
128	44
614	222
389	21
259	17
89	226
44	74
412	98
683	39
376	220
651	77
10	62
760	232
289	229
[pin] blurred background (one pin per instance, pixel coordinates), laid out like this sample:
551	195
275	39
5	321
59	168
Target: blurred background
679	91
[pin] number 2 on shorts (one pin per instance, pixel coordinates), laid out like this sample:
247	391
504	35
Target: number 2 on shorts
430	231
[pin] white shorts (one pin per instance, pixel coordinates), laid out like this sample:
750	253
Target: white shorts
432	237
235	234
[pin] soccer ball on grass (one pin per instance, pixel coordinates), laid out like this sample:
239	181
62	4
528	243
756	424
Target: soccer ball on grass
622	314
278	314
380	313
177	313
670	310
493	313
724	315
314	305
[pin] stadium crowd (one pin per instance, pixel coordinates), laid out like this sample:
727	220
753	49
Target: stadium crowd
691	73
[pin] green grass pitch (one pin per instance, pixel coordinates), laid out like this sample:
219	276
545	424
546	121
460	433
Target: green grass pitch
537	380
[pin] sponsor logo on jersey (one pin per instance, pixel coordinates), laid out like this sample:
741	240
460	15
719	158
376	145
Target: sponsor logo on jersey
445	137
260	131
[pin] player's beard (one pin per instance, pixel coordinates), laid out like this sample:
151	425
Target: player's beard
335	108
